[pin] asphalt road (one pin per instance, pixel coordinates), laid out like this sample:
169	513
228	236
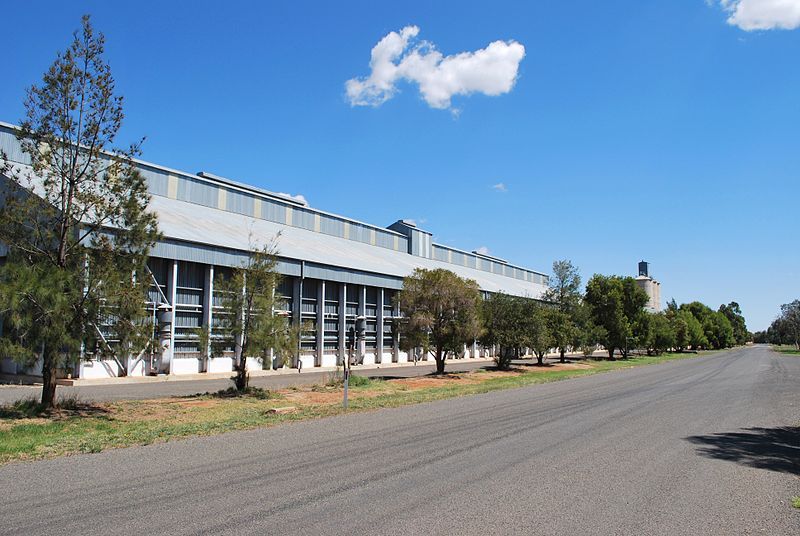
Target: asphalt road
691	447
184	387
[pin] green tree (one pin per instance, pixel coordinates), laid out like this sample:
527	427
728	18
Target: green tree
565	295
587	334
442	311
697	337
539	335
789	324
660	334
733	313
719	331
504	321
615	305
704	316
680	329
248	323
75	221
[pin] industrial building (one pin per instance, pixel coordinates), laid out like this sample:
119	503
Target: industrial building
650	286
335	269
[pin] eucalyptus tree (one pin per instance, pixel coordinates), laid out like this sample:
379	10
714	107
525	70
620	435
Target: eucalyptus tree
539	330
75	219
733	313
441	310
564	294
505	319
615	304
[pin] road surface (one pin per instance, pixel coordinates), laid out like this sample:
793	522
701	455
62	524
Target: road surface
694	447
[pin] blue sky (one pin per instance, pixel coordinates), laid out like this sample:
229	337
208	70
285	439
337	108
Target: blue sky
664	131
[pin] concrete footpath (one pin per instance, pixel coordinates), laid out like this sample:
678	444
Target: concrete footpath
147	387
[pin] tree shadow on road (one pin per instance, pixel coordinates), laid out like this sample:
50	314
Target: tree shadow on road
775	449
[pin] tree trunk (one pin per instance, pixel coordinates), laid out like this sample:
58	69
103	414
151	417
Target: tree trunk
48	380
240	380
439	361
563	359
611	354
540	358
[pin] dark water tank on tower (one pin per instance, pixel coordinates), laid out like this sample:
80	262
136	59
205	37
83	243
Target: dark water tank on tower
643	269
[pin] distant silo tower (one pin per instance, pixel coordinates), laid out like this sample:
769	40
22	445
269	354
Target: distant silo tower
650	286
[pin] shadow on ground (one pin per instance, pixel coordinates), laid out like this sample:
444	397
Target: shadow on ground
29	408
775	449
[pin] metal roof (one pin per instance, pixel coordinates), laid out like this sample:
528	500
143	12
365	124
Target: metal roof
185	221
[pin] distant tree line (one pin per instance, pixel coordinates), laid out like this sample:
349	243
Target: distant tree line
785	329
443	313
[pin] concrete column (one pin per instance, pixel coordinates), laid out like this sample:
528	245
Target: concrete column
362	311
271	352
208	312
396	337
297	296
172	294
342	324
379	334
320	323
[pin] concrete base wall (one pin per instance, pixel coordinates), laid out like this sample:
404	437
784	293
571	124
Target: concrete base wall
185	365
255	363
99	368
329	360
308	361
220	364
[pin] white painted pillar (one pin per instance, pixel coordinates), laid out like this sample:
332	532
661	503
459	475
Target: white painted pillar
379	334
362	310
172	292
297	296
320	323
342	324
396	338
208	313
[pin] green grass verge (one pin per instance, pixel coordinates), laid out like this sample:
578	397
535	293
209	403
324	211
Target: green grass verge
25	434
788	350
796	502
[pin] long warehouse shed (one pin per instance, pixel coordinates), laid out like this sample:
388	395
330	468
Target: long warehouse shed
335	269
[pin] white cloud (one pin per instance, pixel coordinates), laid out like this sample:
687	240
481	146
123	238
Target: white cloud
483	250
399	56
298	197
752	15
500	187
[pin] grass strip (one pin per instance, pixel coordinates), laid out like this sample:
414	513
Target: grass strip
786	349
85	428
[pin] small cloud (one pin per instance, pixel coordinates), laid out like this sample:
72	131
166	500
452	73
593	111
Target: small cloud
751	15
297	197
400	56
483	250
500	187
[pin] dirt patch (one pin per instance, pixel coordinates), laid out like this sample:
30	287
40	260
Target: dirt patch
313	397
198	403
427	382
